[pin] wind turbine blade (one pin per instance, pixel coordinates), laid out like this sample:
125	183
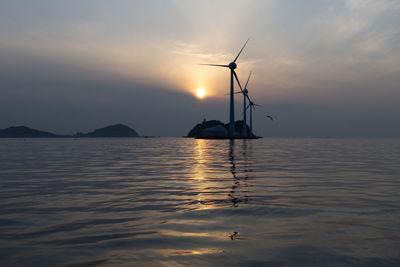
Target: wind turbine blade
241	50
247	106
245	87
257	105
248	98
215	65
240	86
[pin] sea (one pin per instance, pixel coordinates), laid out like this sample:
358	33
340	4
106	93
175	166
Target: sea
191	202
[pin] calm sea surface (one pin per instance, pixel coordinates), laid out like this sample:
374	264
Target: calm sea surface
187	202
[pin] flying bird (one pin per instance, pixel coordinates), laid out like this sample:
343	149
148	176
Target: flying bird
269	117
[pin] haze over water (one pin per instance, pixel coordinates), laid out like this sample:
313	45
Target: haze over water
175	201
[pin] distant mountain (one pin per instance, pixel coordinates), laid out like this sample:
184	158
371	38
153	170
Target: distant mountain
24	132
117	130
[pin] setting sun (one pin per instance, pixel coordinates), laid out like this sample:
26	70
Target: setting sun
200	93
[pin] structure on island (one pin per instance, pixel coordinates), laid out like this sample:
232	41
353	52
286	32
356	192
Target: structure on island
235	129
215	129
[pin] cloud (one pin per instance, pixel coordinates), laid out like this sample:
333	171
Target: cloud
111	60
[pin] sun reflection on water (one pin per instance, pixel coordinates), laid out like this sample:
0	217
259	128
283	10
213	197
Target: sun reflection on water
199	175
231	183
200	159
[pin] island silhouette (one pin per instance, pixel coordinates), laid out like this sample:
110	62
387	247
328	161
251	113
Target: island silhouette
116	130
23	131
215	129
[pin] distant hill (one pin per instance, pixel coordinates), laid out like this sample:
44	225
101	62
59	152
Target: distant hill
117	130
24	132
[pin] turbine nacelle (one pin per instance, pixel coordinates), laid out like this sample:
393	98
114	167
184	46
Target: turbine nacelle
245	91
232	65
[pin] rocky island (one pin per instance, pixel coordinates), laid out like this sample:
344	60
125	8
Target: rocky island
116	130
24	132
214	129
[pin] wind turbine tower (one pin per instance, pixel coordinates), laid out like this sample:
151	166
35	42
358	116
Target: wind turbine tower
232	66
252	106
245	92
251	118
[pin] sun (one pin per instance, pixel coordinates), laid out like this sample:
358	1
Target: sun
200	93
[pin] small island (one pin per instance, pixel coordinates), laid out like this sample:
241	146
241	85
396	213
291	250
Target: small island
117	130
215	129
25	132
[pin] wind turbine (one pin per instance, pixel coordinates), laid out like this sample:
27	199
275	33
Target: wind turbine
252	106
232	66
245	107
245	92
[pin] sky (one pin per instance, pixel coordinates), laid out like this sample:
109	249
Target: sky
321	68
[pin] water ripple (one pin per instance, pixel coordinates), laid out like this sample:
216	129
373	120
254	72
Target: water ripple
186	202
